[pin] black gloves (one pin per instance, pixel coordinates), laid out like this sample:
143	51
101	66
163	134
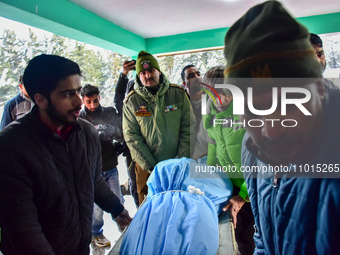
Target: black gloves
106	132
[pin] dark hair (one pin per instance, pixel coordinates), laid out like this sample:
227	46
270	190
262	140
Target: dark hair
214	76
315	39
185	68
89	90
20	80
44	72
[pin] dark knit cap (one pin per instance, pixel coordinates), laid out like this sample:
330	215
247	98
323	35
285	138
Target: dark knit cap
145	61
268	42
44	72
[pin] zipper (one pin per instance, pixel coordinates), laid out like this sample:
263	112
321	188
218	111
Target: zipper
274	194
275	180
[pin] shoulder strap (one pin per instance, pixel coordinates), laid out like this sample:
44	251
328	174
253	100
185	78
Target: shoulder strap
180	87
128	96
176	86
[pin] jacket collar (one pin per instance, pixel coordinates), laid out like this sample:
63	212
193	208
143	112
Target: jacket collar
25	97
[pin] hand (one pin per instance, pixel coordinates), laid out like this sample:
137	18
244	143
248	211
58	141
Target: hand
235	203
123	219
127	67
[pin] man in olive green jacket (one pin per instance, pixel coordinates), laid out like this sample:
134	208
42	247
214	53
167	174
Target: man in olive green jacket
158	121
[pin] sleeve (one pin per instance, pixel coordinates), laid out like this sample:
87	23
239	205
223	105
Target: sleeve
18	213
252	187
233	158
118	124
6	117
103	195
115	126
187	134
212	159
120	93
259	245
140	152
259	248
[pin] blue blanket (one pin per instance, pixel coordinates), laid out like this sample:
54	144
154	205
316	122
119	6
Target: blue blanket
173	221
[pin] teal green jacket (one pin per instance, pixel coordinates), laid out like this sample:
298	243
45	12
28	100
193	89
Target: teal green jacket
224	148
158	127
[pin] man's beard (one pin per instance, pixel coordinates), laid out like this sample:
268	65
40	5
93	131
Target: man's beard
59	118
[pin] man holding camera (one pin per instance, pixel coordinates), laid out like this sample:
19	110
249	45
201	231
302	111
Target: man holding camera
108	124
123	87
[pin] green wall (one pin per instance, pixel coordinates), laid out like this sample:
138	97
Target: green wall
64	18
322	24
319	24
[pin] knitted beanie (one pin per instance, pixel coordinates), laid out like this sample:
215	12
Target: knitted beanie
146	61
268	42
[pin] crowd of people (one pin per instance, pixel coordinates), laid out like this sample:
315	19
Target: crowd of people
59	160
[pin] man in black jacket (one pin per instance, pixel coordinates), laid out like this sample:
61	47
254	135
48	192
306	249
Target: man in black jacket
51	167
109	126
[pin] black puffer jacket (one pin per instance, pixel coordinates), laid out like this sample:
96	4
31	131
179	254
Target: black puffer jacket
48	186
109	117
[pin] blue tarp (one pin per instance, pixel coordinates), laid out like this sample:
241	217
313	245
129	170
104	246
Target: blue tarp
173	221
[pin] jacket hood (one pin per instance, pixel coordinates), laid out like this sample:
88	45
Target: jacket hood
163	86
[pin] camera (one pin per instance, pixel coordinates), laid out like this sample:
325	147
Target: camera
132	62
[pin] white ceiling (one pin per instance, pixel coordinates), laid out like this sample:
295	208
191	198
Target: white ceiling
154	18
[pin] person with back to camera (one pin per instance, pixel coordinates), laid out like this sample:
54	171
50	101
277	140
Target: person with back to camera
295	210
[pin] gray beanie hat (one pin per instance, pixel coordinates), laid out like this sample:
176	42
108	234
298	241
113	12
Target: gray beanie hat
268	42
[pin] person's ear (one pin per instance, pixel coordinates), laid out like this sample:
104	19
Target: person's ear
21	87
41	101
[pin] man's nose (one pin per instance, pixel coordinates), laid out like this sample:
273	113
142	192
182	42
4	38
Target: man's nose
78	100
273	129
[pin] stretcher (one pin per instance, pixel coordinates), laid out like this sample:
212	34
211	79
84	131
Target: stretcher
227	242
188	203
